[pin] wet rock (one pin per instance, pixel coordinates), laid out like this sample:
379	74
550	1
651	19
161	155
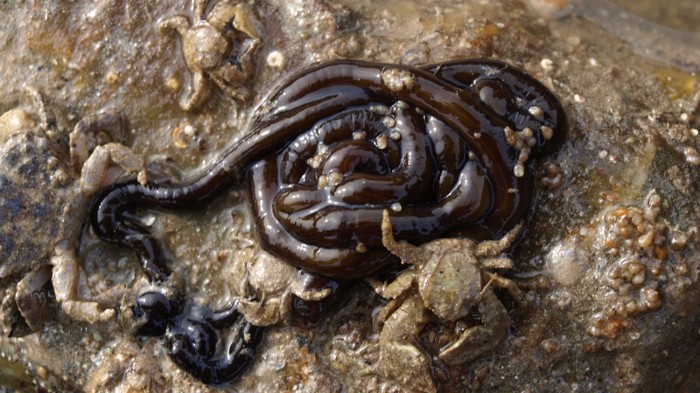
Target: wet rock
619	310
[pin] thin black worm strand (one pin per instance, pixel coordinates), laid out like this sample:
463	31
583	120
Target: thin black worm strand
480	114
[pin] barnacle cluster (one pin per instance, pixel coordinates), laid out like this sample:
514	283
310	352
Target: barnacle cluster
636	250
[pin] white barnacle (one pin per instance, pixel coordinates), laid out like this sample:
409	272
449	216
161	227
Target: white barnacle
523	140
509	134
315	161
536	111
566	262
359	135
396	79
275	59
652	299
524	155
547	64
519	170
380	109
547	132
148	220
182	135
389	121
382	141
691	155
322	182
334	178
401	104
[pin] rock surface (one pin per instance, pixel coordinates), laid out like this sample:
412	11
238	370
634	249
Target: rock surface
610	261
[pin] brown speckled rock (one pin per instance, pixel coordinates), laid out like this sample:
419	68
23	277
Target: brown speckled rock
612	285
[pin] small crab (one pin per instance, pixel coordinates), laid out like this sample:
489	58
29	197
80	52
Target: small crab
400	359
46	183
209	46
96	151
269	286
451	277
128	367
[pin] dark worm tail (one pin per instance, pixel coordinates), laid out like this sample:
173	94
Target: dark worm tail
111	224
192	337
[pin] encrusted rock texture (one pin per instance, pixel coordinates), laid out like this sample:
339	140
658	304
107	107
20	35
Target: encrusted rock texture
609	262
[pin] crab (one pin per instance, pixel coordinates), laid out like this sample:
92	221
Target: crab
46	183
447	278
210	47
269	286
128	367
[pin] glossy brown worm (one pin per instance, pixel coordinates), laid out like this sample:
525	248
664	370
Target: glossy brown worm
445	146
